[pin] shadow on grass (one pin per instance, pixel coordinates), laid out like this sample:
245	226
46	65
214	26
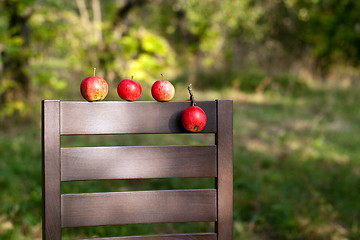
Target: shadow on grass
284	198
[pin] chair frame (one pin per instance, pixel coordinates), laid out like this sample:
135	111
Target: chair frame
83	118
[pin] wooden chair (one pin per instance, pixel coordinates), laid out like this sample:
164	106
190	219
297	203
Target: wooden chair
136	162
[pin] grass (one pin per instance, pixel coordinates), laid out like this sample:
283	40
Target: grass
296	169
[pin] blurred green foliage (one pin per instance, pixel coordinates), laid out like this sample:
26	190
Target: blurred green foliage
183	39
289	65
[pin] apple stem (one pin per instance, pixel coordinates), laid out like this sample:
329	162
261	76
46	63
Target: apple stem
162	77
94	72
132	77
191	95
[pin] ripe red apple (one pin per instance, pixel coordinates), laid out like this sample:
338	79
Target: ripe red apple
193	119
129	90
94	88
162	90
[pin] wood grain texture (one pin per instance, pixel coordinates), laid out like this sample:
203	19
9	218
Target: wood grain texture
129	117
224	142
95	209
131	162
92	209
51	170
191	236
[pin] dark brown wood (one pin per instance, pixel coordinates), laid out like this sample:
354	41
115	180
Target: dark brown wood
224	142
51	170
130	162
129	117
95	163
191	236
95	209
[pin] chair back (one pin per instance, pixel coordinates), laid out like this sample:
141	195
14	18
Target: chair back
62	164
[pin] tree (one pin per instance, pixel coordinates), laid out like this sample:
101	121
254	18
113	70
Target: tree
15	82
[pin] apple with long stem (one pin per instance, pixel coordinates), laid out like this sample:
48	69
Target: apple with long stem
162	90
193	118
94	88
129	90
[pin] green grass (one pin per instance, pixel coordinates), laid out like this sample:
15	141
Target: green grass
296	169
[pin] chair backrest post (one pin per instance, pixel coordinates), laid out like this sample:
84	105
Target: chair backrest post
224	180
51	186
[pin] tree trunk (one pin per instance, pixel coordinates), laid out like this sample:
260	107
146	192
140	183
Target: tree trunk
15	79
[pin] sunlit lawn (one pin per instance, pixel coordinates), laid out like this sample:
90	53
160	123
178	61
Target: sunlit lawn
296	169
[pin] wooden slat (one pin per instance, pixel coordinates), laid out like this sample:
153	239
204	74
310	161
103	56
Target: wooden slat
94	163
95	209
129	117
192	236
51	170
224	141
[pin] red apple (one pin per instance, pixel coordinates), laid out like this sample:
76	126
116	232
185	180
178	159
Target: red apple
94	88
162	90
129	90
193	119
